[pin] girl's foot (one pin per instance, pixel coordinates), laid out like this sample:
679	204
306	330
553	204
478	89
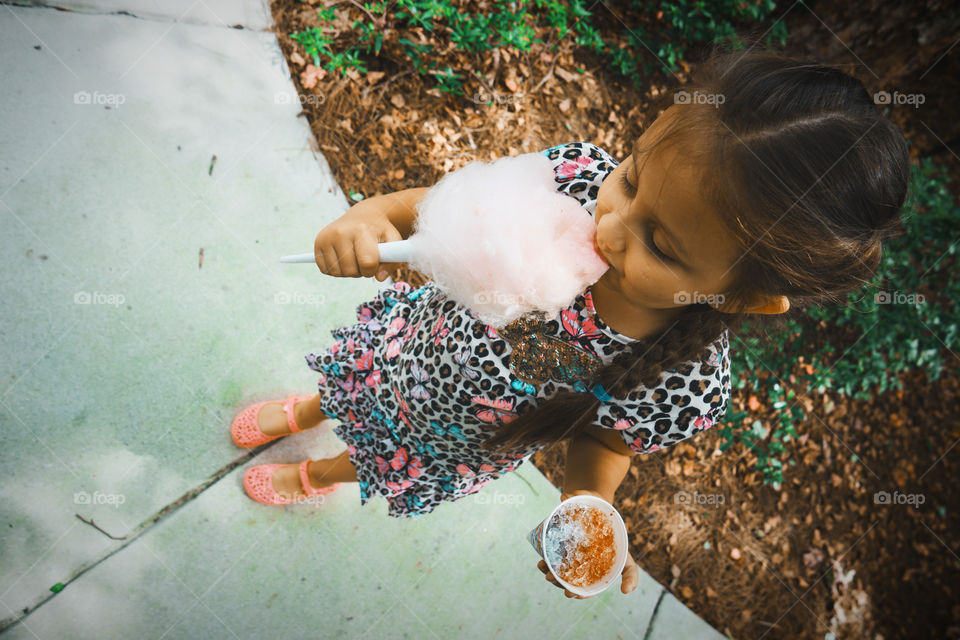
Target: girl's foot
286	479
272	419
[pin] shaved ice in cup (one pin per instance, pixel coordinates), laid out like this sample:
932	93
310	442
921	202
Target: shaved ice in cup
584	543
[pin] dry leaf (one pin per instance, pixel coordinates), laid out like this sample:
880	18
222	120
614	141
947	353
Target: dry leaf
771	523
675	571
812	558
397	100
672	467
686	592
565	75
297	59
310	75
900	476
565	105
753	403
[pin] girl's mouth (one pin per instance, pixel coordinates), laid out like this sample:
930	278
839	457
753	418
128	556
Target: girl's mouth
596	248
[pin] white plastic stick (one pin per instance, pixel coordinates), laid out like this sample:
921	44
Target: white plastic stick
300	257
398	251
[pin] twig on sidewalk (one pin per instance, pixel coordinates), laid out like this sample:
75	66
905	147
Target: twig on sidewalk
97	527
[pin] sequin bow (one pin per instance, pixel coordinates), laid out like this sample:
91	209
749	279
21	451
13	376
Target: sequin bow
538	356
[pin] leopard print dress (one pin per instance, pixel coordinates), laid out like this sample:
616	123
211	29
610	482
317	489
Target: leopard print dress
418	383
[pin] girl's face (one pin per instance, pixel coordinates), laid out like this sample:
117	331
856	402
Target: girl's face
665	247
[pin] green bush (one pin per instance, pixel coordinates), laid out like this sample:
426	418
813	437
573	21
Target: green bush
657	35
907	317
664	29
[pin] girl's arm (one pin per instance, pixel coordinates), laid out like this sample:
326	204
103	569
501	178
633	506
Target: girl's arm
347	247
594	468
399	208
591	465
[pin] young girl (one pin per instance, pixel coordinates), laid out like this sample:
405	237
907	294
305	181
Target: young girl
768	182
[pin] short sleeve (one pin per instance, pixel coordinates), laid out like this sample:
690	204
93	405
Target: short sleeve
580	168
690	398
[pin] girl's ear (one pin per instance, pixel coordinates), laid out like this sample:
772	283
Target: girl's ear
766	305
775	304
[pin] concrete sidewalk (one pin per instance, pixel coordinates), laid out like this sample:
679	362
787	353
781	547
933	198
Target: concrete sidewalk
152	170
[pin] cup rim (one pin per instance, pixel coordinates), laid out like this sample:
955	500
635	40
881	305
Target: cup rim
618	564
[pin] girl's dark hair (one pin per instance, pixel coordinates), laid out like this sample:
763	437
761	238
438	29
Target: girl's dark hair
807	175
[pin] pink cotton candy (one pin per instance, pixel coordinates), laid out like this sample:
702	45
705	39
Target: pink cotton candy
498	238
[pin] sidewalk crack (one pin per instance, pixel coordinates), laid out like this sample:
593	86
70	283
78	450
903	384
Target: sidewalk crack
137	531
653	616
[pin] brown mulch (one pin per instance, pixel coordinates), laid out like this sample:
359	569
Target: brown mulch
749	559
818	555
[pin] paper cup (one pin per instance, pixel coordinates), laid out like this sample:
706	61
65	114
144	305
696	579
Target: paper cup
538	539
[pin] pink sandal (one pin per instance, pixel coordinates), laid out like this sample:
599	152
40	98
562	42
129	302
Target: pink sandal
245	431
258	483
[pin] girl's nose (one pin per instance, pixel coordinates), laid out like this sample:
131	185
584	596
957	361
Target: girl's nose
610	234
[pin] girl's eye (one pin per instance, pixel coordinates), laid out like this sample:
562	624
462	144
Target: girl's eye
654	249
632	192
629	188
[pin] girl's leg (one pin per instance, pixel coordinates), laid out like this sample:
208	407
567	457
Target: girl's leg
307	414
328	471
321	473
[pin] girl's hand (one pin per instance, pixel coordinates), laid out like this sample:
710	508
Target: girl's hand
347	247
629	578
